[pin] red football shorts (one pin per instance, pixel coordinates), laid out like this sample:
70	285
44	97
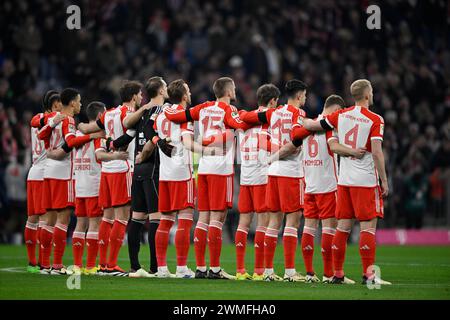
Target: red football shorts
59	194
115	189
215	193
285	194
320	206
361	203
87	207
252	199
176	195
35	197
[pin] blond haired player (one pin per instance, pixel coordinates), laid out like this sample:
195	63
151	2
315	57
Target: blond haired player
359	194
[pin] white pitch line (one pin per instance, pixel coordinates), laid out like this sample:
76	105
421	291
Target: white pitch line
14	269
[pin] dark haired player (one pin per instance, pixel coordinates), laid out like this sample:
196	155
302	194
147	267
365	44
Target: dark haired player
253	146
51	102
115	182
285	187
58	182
320	196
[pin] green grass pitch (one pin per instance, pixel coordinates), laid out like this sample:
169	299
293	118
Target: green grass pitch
416	273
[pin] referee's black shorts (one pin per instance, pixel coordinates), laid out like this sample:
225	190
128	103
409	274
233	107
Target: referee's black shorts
144	194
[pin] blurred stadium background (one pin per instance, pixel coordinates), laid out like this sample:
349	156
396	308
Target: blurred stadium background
324	43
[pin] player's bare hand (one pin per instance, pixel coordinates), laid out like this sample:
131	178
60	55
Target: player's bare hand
213	151
82	127
384	188
56	154
147	106
58	118
51	154
100	134
122	155
138	158
359	152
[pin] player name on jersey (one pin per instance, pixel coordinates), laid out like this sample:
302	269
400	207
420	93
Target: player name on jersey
319	163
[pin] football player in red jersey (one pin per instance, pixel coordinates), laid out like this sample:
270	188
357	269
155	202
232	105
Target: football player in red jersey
359	195
215	174
51	102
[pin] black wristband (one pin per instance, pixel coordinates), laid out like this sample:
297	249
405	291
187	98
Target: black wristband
297	142
262	117
152	131
66	148
100	124
188	115
122	141
41	122
108	144
325	125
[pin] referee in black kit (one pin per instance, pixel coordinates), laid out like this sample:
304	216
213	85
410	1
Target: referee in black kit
144	189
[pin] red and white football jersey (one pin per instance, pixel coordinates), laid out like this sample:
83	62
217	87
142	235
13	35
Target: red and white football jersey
357	127
213	119
254	159
179	166
60	169
114	128
319	163
38	154
281	122
87	169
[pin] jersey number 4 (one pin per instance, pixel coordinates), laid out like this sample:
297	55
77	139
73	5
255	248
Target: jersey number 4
351	136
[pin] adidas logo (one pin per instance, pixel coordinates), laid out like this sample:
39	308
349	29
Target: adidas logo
334	247
239	245
365	247
308	247
101	242
29	242
196	239
78	244
256	245
322	250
